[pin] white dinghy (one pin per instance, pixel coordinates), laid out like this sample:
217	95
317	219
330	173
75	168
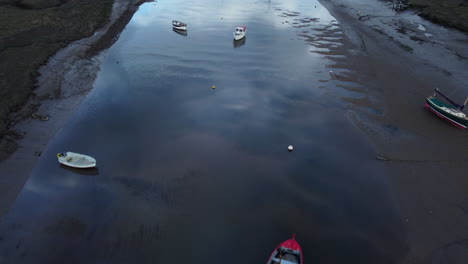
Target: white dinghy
179	25
76	160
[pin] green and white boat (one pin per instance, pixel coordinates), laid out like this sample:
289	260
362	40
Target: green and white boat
451	112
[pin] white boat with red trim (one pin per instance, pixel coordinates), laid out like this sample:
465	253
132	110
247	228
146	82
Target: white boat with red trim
239	32
288	252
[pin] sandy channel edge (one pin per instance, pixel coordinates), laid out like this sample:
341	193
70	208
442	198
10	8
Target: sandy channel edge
400	58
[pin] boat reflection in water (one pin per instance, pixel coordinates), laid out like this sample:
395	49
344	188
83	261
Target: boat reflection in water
239	43
180	32
88	171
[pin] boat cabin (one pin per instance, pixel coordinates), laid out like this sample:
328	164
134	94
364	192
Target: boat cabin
285	256
176	23
240	29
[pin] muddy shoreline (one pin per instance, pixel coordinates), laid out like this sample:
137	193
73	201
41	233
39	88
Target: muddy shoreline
452	13
62	85
426	157
19	100
31	32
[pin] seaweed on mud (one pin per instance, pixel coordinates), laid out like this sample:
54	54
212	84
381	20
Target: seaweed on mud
378	30
446	72
450	13
401	30
461	57
418	39
28	38
405	47
401	45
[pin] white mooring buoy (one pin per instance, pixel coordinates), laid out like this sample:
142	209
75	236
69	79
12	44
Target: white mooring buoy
290	148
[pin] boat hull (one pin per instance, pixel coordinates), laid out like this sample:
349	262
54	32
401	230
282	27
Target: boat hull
437	107
76	160
291	253
238	37
182	28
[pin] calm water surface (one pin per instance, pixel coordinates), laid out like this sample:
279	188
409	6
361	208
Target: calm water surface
191	174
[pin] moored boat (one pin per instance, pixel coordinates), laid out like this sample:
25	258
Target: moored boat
239	32
288	252
451	112
179	25
76	160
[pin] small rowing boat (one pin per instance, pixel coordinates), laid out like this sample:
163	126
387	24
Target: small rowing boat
239	32
179	25
288	252
76	160
451	112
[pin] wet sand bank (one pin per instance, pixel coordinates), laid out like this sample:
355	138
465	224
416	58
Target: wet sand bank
400	59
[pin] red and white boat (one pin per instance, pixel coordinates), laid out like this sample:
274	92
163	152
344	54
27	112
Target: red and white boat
239	32
288	252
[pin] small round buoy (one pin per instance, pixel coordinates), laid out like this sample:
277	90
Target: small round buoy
213	87
290	148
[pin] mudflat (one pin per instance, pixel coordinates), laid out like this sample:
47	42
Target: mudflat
30	33
400	58
451	13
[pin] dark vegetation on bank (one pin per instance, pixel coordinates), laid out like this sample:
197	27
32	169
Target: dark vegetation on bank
30	32
451	13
